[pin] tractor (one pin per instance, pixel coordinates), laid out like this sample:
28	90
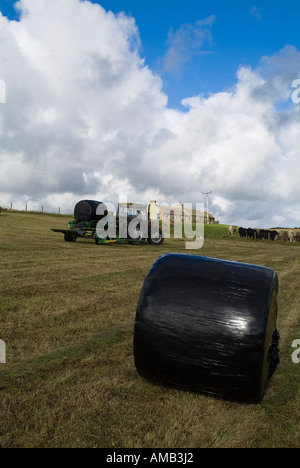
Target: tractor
131	224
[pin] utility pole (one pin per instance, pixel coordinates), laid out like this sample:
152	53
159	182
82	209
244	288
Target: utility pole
207	216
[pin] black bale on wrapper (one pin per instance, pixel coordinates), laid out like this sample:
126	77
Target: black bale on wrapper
86	211
208	326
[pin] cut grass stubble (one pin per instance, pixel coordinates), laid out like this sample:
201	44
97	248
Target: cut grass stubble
67	318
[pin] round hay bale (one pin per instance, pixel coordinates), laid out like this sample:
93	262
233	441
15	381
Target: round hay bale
86	210
209	326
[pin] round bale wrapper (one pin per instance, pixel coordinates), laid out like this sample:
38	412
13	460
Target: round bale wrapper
209	326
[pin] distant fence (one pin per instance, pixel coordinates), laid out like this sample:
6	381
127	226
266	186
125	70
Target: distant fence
28	207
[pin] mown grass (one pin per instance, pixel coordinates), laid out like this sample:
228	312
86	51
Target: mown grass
67	317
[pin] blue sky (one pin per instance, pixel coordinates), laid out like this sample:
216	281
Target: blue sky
241	33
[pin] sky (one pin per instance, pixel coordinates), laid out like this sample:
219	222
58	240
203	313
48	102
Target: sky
153	99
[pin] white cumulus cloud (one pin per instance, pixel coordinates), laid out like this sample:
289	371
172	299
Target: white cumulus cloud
85	117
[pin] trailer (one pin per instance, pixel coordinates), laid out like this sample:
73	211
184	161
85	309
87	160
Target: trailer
131	224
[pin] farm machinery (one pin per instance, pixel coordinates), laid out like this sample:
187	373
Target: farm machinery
131	224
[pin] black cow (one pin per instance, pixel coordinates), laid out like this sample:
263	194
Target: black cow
267	234
258	233
251	233
242	232
264	234
273	234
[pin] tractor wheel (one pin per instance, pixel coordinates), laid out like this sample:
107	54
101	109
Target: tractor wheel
157	238
69	238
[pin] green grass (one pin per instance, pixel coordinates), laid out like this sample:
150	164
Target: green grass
67	317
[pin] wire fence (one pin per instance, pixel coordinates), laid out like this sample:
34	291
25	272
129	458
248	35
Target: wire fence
29	207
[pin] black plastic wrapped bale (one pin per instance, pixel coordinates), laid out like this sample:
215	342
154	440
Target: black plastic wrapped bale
86	210
208	326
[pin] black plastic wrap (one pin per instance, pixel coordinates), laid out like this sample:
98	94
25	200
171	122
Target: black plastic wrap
209	326
86	210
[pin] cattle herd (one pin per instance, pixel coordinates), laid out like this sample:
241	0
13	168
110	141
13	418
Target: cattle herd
267	234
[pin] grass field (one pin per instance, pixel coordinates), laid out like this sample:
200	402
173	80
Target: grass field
67	318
